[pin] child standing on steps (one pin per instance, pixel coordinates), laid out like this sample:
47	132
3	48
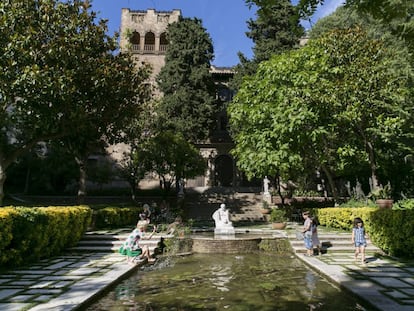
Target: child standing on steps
307	233
358	239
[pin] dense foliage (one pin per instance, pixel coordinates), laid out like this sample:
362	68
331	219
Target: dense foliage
340	100
188	104
396	38
60	78
115	217
171	157
275	30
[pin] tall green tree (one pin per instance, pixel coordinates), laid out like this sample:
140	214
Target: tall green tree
122	92
56	75
130	167
171	157
395	14
188	104
386	10
349	17
343	95
275	30
342	18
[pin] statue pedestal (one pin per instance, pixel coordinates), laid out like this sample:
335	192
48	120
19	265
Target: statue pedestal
267	197
224	231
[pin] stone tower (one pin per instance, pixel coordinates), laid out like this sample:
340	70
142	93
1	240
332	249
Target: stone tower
143	33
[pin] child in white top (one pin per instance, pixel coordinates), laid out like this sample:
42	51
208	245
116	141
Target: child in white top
307	233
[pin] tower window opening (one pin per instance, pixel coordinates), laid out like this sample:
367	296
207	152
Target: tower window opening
149	45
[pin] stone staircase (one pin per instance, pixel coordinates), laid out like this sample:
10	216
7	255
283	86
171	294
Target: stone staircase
332	242
110	241
243	206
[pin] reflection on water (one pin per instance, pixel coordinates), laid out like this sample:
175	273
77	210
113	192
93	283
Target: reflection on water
227	282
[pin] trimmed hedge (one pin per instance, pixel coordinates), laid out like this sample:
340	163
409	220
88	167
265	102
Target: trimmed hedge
343	217
391	230
115	217
29	234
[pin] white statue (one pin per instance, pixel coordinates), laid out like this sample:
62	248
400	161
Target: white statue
222	217
266	183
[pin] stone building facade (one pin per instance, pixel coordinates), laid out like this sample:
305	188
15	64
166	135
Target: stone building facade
143	33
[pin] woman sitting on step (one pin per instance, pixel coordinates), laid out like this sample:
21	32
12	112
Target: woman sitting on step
133	250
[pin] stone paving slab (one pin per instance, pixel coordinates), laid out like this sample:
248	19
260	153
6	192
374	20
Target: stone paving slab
367	288
385	283
85	290
61	284
13	306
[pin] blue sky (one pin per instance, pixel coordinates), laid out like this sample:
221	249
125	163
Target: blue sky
225	20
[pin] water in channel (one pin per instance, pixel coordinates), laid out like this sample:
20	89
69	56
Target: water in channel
239	282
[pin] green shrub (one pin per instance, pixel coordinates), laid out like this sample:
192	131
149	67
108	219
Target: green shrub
343	217
6	231
34	233
115	217
404	204
392	231
389	229
277	215
358	203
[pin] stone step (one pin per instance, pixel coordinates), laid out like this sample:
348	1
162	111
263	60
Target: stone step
252	218
103	249
116	243
329	242
328	237
338	249
242	206
103	242
333	246
114	237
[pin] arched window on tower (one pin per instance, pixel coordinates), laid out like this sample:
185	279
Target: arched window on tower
134	40
149	45
163	42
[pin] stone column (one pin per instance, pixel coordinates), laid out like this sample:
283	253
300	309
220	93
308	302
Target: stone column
157	44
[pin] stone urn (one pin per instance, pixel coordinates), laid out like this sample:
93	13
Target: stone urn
265	208
265	211
384	203
278	225
278	219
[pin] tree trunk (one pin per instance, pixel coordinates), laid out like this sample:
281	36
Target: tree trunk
279	191
7	160
373	165
2	181
330	182
82	180
133	190
133	182
27	181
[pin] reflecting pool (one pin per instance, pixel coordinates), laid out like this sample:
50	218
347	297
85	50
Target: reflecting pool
261	281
